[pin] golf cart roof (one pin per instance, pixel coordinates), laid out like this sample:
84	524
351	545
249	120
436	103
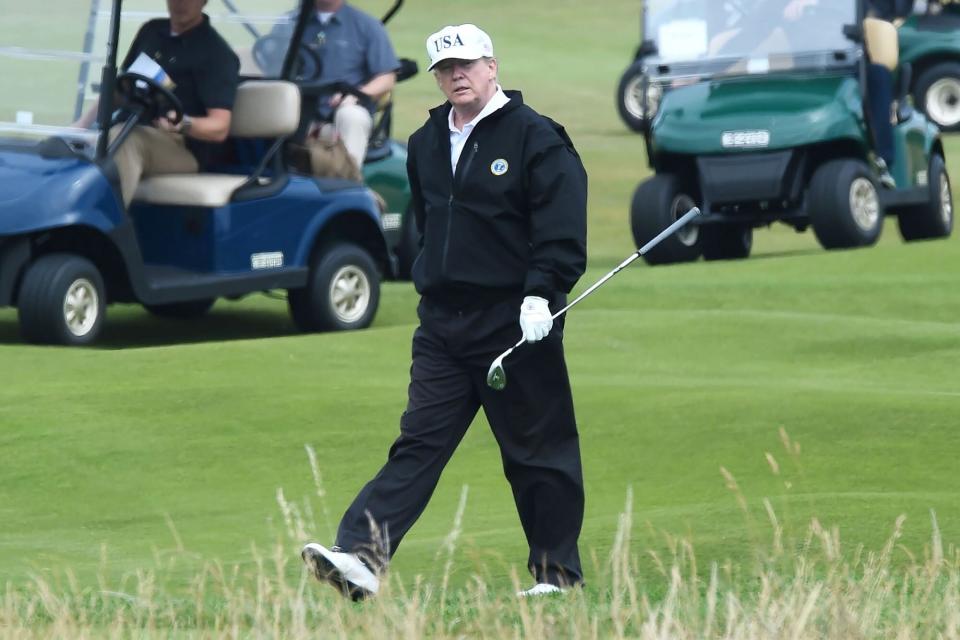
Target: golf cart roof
706	38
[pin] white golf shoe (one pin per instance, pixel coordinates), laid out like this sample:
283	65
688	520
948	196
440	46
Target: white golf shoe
540	589
345	571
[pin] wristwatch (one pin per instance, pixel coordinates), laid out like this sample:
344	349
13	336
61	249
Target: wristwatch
185	125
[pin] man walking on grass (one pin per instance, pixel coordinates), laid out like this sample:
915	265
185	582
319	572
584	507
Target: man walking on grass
500	195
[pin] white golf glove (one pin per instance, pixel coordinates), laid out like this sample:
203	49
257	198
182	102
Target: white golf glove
535	320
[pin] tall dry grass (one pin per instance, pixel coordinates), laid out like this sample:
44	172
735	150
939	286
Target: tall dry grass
794	588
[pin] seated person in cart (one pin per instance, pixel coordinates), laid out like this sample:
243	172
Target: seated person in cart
353	50
204	72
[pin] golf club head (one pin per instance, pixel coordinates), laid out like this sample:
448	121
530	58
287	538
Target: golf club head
496	376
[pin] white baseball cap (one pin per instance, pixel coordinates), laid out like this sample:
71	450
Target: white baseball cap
462	42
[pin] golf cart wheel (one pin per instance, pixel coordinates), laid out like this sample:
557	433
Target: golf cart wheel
630	97
181	310
937	91
657	203
726	242
935	218
844	205
62	301
409	245
342	292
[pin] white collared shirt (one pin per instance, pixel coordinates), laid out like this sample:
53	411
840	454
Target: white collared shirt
458	138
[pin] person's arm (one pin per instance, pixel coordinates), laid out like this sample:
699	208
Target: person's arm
380	85
413	178
217	81
381	64
214	127
557	200
87	117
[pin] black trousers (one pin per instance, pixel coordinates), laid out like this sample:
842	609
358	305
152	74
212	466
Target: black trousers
532	420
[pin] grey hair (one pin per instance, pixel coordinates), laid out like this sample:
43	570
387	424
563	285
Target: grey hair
486	59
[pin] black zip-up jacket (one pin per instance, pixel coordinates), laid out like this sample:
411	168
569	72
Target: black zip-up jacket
511	221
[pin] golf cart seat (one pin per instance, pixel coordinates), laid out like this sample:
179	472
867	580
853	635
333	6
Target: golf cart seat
263	109
882	44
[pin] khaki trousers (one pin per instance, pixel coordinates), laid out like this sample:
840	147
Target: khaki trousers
150	151
354	124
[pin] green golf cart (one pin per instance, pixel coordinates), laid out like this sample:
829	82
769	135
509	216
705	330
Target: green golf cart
930	43
757	116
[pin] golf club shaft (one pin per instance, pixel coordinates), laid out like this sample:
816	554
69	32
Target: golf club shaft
679	222
684	219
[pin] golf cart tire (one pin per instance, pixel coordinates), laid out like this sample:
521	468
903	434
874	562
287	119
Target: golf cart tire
43	298
336	270
628	83
181	310
935	218
726	241
657	203
831	207
409	245
947	72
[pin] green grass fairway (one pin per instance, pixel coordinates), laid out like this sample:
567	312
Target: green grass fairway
676	372
176	436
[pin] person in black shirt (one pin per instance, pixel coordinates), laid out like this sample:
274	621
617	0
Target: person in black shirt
500	196
205	73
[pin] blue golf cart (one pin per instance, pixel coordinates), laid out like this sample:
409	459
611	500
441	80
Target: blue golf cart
68	248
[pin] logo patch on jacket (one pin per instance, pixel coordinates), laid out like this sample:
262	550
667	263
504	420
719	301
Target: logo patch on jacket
499	167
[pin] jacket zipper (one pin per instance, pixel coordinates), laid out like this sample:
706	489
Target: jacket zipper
466	166
456	181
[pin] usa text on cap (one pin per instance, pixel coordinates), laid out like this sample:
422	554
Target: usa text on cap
460	42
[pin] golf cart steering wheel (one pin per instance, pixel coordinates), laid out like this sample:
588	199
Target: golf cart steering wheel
270	50
155	99
319	90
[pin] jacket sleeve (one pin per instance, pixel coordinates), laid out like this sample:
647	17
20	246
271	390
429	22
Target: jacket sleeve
413	178
557	202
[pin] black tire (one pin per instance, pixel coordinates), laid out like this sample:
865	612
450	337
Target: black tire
935	218
342	292
726	241
630	98
940	87
844	205
409	246
657	203
181	310
62	300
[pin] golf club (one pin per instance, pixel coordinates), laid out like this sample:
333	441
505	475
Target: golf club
497	377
